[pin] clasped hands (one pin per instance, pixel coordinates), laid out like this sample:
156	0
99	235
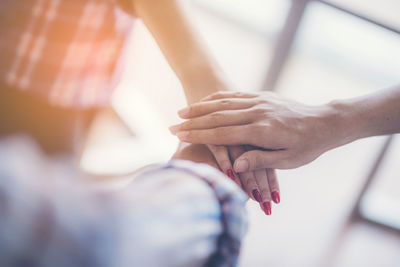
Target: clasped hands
252	134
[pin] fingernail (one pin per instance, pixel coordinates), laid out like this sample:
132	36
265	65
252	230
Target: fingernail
184	112
182	135
230	174
241	165
267	207
256	195
175	128
275	197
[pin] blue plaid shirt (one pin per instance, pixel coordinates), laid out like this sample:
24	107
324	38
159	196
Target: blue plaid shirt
176	214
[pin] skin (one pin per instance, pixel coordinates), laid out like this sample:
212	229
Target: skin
197	153
200	76
286	134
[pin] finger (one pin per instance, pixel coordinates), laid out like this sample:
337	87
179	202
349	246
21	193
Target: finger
234	153
266	207
247	179
263	185
221	155
215	120
250	185
228	94
203	108
228	135
273	185
258	159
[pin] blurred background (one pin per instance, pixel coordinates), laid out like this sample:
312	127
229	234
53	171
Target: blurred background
310	51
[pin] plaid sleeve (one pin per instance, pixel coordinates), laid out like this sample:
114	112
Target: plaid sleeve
186	195
67	51
177	214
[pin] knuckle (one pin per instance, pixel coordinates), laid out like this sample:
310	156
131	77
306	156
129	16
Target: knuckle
238	94
265	193
192	135
225	102
257	131
261	100
259	110
258	161
218	94
250	182
216	116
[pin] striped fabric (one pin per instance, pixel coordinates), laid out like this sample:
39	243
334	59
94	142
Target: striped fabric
177	214
65	50
177	189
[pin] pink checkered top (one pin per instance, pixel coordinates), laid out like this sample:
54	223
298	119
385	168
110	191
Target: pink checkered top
65	50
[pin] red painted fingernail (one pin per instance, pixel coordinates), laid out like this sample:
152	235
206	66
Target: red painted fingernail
256	195
267	207
275	197
230	174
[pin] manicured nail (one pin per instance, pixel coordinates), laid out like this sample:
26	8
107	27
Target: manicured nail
175	128
241	165
256	195
267	207
182	135
184	113
275	197
230	174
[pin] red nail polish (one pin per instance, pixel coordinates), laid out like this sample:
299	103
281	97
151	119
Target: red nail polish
230	174
267	207
275	197
256	195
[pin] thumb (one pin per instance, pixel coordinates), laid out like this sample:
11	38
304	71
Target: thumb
258	159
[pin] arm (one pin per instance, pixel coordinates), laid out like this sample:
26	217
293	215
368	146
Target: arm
198	72
291	134
371	115
184	50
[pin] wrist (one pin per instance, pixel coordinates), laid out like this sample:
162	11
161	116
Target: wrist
202	83
342	122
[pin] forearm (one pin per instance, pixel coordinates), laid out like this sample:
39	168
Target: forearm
181	45
371	115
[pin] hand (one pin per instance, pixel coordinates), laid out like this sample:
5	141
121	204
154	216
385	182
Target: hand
195	153
284	134
261	186
264	181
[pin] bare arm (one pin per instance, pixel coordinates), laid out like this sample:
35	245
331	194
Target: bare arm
200	76
294	133
181	45
371	115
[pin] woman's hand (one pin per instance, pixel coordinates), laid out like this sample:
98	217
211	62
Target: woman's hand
261	185
282	133
253	183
